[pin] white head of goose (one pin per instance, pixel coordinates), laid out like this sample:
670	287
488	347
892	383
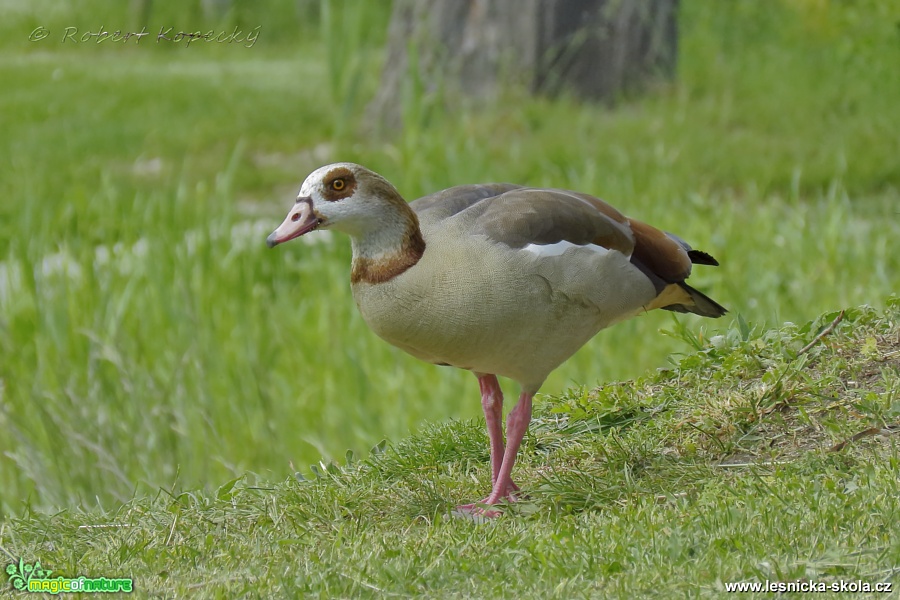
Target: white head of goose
497	279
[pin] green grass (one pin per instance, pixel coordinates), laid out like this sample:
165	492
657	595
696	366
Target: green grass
149	340
752	460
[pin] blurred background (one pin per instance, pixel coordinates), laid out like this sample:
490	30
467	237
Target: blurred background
149	339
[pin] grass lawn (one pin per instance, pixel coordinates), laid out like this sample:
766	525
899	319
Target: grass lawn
152	348
754	460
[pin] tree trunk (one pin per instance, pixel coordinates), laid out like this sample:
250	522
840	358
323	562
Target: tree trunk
593	49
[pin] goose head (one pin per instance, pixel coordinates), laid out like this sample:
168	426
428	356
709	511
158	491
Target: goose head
345	197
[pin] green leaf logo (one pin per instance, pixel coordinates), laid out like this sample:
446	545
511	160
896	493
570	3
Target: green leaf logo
20	574
17	574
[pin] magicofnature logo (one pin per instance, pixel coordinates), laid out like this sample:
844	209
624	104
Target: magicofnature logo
27	577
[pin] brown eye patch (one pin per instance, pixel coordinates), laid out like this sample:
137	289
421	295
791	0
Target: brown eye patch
339	183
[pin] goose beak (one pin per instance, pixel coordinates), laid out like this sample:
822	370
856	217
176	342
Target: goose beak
300	220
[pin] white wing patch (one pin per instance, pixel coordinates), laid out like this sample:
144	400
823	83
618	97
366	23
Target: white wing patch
545	250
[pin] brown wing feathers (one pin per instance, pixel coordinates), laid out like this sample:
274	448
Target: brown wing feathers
541	216
662	255
666	259
456	199
519	216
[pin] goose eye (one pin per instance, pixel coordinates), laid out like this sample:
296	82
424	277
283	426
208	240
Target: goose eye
338	185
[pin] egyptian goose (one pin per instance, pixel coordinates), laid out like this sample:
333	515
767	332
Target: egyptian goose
497	279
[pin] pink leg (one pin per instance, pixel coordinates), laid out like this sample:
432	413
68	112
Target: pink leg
492	404
516	425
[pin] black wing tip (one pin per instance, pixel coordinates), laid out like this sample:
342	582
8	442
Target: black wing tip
703	305
699	257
